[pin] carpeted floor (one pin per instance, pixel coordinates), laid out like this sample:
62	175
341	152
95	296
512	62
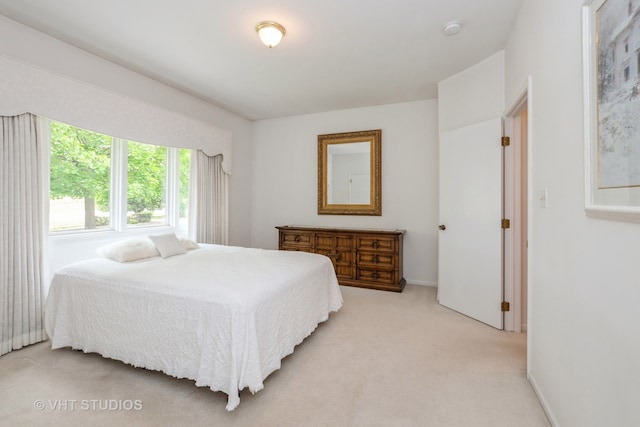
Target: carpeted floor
384	359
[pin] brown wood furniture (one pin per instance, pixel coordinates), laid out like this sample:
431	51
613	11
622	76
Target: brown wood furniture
361	257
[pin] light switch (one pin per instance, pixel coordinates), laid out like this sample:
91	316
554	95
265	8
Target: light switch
543	199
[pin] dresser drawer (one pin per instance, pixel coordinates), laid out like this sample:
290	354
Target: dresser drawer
378	276
376	259
376	243
296	239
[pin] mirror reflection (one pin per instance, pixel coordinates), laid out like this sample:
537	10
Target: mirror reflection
348	172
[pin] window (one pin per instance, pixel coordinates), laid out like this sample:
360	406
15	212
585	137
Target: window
146	184
626	73
80	179
89	190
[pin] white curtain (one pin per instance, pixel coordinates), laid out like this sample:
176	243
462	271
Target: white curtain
22	231
209	203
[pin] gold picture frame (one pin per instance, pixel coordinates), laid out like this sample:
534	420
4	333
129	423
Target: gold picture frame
350	173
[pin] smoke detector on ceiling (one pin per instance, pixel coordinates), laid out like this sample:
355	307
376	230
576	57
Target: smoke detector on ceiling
452	28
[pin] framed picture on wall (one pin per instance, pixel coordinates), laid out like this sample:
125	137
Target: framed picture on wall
611	44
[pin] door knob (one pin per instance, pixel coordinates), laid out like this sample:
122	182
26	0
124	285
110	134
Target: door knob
442	227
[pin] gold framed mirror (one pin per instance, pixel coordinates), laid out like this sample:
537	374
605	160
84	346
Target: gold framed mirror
349	173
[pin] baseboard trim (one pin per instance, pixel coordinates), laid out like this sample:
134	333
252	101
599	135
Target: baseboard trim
421	283
543	402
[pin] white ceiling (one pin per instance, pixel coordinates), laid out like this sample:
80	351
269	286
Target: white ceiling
337	54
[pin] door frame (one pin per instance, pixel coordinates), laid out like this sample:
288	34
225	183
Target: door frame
512	202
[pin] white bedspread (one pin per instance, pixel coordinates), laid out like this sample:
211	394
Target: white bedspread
222	316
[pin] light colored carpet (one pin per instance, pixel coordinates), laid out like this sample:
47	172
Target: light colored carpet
385	359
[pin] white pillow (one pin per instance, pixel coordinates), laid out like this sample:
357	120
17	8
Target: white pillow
167	244
188	244
129	250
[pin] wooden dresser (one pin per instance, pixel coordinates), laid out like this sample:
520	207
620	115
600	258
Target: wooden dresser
361	257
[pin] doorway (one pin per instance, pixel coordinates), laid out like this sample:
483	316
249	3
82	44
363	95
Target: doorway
517	204
483	263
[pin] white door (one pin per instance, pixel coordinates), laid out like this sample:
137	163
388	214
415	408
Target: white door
359	185
470	236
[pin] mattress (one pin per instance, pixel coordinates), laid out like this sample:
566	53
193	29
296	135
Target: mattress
219	315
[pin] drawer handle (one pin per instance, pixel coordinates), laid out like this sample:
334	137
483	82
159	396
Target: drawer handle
297	238
337	257
375	274
375	244
375	259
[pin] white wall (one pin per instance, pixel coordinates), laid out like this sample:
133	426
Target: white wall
584	324
285	180
95	79
473	95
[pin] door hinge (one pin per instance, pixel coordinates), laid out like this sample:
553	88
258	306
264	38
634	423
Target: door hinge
506	141
506	223
504	306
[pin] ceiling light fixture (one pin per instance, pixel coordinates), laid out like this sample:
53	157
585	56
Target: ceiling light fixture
270	33
452	28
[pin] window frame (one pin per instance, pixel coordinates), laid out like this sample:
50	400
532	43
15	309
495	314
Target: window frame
118	208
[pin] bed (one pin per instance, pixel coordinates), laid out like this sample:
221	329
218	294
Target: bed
222	316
